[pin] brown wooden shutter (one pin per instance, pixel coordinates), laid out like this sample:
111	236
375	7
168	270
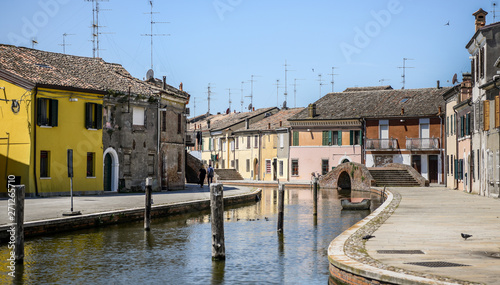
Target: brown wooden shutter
497	111
486	115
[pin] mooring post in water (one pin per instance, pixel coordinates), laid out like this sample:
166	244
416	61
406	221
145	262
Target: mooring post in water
19	227
315	196
281	206
217	220
147	208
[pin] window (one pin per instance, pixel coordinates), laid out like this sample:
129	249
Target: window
282	140
179	123
210	143
472	165
497	111
472	65
337	137
256	142
90	164
232	163
355	138
248	142
223	162
327	138
452	163
237	166
232	145
447	125
224	145
295	167
324	166
126	160
138	116
47	112
486	113
151	164
481	62
295	138
447	164
179	162
248	165
44	163
237	144
93	116
163	121
268	166
467	124
281	167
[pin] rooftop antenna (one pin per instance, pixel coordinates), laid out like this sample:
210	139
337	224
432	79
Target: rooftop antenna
95	26
494	4
64	44
333	74
382	81
242	83
151	35
33	43
295	92
251	91
229	89
277	92
404	67
286	84
320	84
194	107
209	92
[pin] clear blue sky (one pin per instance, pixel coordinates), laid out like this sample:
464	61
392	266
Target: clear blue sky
224	42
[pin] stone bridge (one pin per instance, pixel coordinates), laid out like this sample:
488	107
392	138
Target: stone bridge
349	175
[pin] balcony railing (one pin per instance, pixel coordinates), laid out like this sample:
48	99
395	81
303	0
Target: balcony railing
422	143
381	144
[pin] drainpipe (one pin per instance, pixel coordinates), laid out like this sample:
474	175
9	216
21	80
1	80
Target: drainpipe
442	139
260	154
363	150
7	154
456	150
158	133
34	143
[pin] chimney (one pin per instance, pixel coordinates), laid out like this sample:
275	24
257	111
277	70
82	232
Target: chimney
208	124
164	83
480	18
247	123
281	123
269	126
253	109
437	85
402	111
311	110
180	86
439	110
466	87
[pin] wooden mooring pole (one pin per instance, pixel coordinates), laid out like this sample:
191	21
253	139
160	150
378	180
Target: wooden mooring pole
315	196
217	220
281	206
147	208
19	224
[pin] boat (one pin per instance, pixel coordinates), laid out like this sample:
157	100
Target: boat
355	204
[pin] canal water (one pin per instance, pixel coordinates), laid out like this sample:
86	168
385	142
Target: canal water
177	250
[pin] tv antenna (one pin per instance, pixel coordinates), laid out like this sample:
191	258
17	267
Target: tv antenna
333	74
251	91
33	43
151	35
229	89
64	44
209	92
494	4
382	81
277	92
286	84
95	26
242	102
295	92
404	67
194	107
320	84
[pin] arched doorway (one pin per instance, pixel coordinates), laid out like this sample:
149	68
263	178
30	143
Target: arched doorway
344	181
110	167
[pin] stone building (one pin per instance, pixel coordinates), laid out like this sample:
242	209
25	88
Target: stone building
484	52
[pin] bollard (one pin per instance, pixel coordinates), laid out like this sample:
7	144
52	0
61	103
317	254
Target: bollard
315	196
19	226
147	208
217	220
281	206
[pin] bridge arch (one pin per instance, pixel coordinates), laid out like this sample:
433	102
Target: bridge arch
348	175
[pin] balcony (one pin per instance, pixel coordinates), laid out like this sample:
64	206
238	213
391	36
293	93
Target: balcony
422	143
381	144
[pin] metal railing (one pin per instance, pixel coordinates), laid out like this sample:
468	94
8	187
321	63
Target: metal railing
422	143
381	144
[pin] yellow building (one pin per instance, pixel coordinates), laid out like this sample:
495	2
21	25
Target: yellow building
46	109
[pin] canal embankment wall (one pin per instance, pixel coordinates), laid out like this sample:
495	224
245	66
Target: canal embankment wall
65	224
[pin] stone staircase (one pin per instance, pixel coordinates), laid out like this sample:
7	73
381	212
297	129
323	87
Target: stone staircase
227	174
393	177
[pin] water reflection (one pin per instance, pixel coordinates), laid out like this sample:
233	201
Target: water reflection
177	250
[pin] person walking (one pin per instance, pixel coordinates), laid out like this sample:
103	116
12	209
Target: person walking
203	173
210	175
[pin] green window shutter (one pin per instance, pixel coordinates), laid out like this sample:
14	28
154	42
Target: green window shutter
325	138
295	138
339	139
209	144
330	138
88	115
467	121
456	170
360	137
39	104
98	116
351	137
53	112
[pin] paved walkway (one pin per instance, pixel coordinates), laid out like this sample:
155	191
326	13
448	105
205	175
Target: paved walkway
37	209
431	220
